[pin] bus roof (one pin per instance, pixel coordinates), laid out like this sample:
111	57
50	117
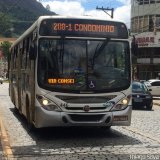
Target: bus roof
41	18
75	17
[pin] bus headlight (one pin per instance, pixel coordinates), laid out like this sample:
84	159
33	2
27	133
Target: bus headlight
122	104
47	104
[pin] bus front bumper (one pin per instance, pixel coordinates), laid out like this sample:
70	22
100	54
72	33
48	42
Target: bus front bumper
44	118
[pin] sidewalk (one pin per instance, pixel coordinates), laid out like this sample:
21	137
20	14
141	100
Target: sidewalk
1	150
5	149
156	101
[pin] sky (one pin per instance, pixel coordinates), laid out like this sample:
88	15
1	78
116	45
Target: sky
88	7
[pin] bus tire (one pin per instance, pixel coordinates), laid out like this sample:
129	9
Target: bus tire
30	127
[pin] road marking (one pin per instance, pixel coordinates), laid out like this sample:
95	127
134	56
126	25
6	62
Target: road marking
5	141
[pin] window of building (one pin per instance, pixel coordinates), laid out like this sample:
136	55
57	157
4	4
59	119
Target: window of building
134	25
157	22
140	2
157	1
157	52
146	23
146	2
140	28
152	1
145	52
151	23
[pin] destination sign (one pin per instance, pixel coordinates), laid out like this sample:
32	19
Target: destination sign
83	28
61	81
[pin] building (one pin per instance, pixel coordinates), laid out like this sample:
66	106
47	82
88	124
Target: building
145	25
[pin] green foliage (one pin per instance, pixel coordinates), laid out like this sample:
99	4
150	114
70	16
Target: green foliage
5	48
5	25
17	15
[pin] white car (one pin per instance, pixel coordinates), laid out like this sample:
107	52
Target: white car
152	80
155	87
1	80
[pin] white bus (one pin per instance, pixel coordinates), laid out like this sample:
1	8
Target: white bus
72	71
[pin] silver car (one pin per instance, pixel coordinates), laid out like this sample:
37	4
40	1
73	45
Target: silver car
1	80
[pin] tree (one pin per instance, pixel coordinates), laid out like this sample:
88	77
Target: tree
48	7
5	25
5	48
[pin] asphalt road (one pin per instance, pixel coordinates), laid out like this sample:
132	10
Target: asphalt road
141	140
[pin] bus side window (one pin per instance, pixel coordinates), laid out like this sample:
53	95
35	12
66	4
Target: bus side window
23	56
32	51
15	58
28	63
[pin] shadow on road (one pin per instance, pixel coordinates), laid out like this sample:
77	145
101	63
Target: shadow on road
49	140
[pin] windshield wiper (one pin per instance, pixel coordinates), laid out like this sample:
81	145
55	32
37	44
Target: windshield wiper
98	51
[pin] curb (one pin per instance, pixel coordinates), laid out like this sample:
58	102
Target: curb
4	140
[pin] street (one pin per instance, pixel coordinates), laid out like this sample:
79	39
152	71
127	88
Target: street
141	140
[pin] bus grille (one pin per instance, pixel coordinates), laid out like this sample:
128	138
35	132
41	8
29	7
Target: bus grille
140	96
81	108
86	118
84	100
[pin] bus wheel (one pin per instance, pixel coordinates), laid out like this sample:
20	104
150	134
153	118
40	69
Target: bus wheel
30	126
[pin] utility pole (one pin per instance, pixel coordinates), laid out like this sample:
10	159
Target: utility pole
106	9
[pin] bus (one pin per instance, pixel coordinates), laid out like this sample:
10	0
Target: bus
72	71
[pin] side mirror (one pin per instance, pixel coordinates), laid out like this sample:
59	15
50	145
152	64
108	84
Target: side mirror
32	52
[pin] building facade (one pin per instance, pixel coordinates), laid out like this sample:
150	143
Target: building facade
145	26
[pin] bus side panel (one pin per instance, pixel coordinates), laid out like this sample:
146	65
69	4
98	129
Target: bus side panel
15	78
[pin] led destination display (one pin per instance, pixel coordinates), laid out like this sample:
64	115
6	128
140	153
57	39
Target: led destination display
83	28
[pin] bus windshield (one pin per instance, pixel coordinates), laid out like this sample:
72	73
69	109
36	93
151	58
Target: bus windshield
83	65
